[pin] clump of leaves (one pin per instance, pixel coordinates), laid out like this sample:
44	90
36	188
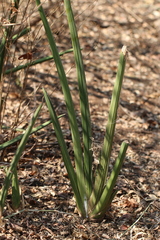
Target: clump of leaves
92	191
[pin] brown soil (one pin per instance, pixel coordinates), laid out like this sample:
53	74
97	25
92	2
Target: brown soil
48	209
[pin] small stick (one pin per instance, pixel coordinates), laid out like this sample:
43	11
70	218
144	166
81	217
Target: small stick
137	220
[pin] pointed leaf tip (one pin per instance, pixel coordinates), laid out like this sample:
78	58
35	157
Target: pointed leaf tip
124	50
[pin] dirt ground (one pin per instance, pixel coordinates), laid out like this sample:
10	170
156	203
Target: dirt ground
48	209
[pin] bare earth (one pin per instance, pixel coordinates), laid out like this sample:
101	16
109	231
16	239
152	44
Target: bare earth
48	207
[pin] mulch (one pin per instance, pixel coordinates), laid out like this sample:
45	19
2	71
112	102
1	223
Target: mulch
48	209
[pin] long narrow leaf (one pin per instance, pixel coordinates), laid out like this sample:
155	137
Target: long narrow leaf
15	160
16	196
38	61
19	137
107	195
69	104
20	34
71	173
102	170
84	106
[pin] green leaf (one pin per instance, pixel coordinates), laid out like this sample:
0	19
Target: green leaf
13	165
16	196
108	194
102	170
71	173
19	137
84	105
38	61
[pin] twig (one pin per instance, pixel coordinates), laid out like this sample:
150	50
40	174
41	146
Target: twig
37	210
136	220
